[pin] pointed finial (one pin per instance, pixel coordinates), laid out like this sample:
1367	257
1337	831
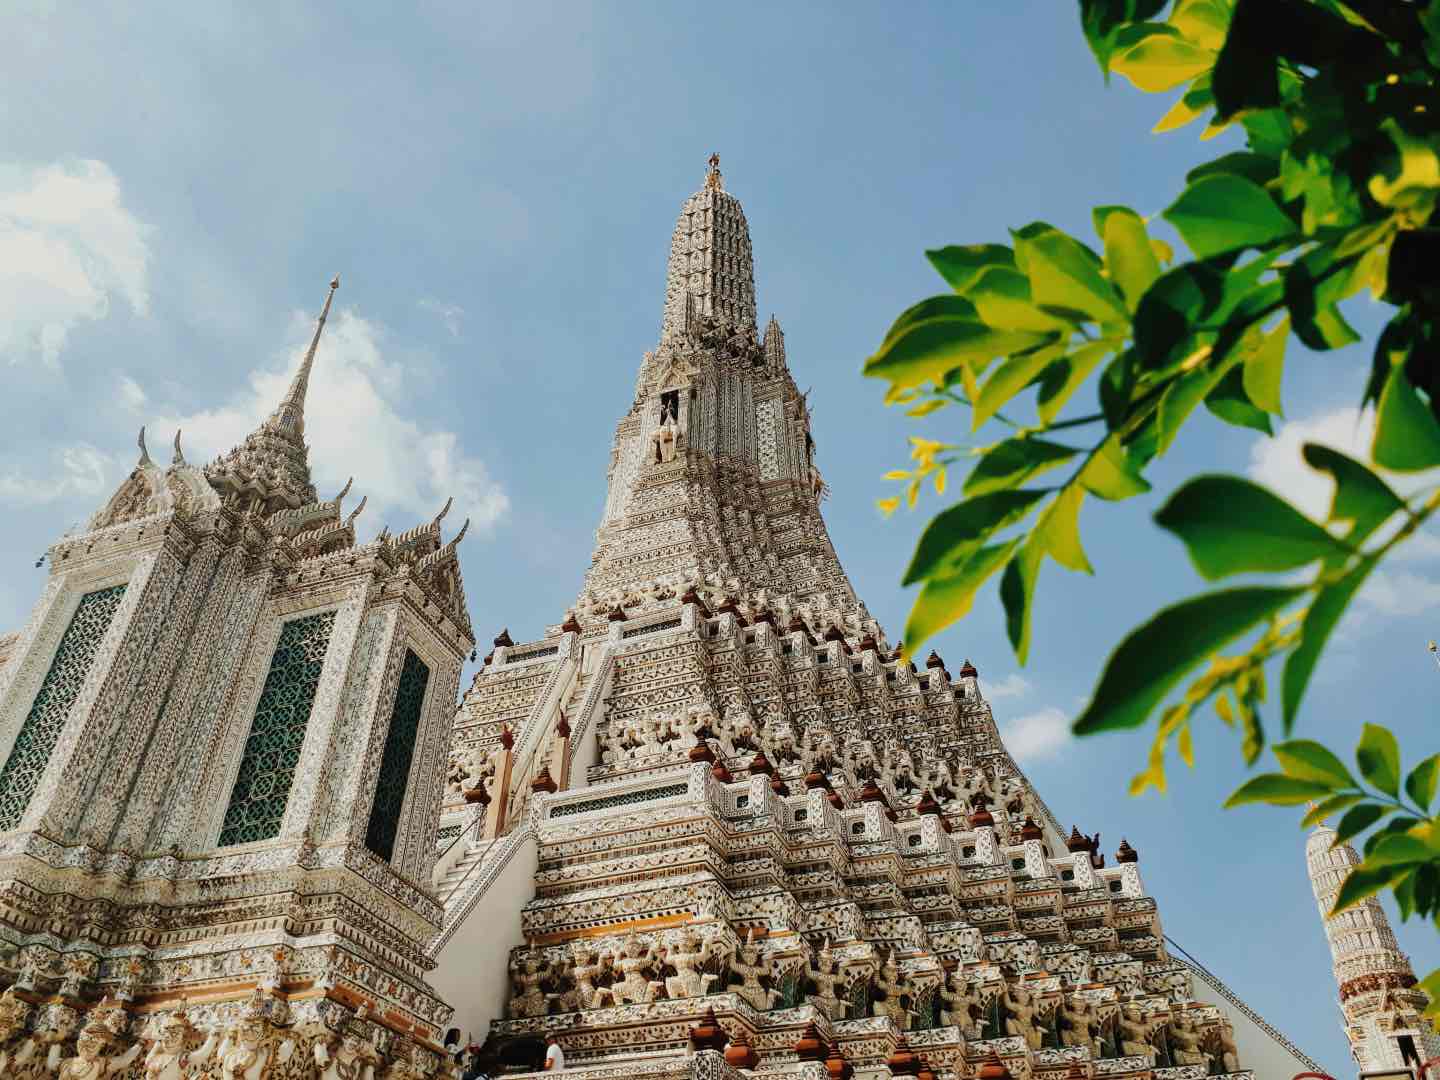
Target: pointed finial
290	414
344	491
358	510
713	180
443	511
461	534
178	458
144	454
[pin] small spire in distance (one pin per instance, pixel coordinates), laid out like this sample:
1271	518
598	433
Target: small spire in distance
289	416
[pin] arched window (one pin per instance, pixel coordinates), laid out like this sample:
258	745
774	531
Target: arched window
394	775
51	707
277	732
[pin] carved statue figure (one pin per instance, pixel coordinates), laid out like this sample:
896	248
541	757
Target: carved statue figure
1184	1038
861	759
587	969
251	1047
1023	1016
900	771
664	441
350	1056
686	957
891	983
751	969
14	1014
527	998
1220	1041
963	1005
1136	1032
1079	1023
92	1059
827	981
973	782
634	986
169	1057
54	1027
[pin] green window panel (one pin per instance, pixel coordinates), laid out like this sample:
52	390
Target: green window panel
272	749
399	753
51	707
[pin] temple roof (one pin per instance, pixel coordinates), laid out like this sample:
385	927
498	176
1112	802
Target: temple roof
711	270
272	465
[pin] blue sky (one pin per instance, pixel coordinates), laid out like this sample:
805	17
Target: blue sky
496	185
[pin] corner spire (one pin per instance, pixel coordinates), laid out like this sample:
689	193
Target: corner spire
289	415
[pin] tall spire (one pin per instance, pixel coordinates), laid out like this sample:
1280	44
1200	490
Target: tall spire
289	415
1378	996
711	270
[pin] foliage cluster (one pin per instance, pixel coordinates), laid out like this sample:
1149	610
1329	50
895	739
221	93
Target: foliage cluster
1333	196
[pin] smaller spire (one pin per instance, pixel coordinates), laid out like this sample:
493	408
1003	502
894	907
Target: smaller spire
289	415
713	180
144	453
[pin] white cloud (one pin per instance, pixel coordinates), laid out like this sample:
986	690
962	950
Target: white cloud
1400	593
354	429
67	244
79	469
1013	685
449	314
1036	736
131	394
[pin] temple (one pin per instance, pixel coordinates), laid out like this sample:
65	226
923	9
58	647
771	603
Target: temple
715	801
712	824
1379	1001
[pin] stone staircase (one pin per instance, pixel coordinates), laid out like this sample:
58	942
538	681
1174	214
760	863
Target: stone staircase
447	886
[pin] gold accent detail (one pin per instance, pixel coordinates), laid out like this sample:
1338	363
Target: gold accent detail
713	180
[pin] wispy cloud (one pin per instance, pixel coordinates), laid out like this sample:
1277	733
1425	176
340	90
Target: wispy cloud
1013	685
67	244
449	314
1036	736
354	428
78	469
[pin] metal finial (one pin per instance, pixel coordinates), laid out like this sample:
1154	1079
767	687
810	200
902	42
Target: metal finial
713	179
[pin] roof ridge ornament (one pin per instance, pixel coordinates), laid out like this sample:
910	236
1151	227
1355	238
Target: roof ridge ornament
144	453
178	458
713	180
289	415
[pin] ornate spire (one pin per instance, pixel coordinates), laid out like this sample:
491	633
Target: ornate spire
1378	996
289	415
711	271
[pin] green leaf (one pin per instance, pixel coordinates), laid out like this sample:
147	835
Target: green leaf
1065	278
1058	530
1378	755
1154	657
1265	368
1420	784
1017	590
1161	62
1014	461
1009	379
1110	474
1357	820
1312	288
1307	760
1203	22
1104	22
1407	438
1231	526
1066	375
947	598
1277	790
1365	881
1360	496
954	535
1002	297
1129	258
1328	807
961	265
1398	850
1257	168
944	306
1225	212
1324	612
1184	393
1231	403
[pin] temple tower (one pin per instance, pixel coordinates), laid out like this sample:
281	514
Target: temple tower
715	801
222	743
1378	997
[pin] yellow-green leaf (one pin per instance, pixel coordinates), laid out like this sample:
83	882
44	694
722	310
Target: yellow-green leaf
1110	474
1265	367
1129	258
950	597
1161	62
1224	212
1407	438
